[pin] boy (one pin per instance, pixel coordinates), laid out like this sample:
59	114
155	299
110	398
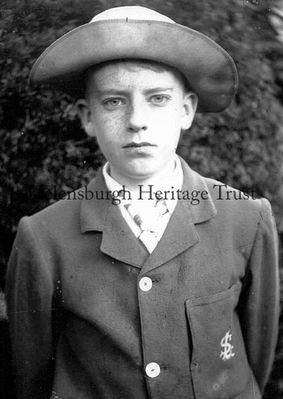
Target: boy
137	291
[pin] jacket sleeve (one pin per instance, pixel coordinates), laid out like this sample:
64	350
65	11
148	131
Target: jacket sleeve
29	295
259	302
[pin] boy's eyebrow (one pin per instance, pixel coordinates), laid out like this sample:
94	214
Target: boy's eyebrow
158	89
124	92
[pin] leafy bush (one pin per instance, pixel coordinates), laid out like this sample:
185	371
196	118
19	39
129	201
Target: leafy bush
43	145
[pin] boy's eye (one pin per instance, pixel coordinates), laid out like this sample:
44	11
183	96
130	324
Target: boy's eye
114	102
159	99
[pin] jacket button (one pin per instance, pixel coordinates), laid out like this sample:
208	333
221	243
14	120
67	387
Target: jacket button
152	370
196	365
145	284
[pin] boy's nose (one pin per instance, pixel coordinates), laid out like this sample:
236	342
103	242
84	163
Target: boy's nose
137	119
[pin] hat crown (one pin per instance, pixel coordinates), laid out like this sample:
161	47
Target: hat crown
131	12
136	32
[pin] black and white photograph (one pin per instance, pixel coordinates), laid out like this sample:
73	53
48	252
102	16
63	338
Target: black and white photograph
141	199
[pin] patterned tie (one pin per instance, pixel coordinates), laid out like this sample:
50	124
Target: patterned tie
149	222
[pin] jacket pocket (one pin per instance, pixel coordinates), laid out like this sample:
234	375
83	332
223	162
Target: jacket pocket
219	365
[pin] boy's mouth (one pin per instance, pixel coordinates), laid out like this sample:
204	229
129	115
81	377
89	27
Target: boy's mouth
138	145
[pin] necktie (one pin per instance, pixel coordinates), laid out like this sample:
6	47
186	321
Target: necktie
148	221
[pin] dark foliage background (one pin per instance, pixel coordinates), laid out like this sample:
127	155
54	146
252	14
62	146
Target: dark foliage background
44	150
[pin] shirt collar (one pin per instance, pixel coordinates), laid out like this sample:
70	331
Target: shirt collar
172	182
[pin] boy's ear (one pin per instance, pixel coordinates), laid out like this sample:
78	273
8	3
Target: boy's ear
190	107
85	116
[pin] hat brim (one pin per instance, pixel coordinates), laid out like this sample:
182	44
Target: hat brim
209	69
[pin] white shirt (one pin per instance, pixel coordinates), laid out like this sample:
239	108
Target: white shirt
145	206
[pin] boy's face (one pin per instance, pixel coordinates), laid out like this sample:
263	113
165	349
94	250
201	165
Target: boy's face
137	113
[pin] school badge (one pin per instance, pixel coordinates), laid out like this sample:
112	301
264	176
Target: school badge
227	349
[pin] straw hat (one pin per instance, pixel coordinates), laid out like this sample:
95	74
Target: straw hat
135	32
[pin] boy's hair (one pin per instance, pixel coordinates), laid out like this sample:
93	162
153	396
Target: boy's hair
152	65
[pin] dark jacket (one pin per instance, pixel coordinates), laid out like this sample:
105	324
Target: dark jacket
82	328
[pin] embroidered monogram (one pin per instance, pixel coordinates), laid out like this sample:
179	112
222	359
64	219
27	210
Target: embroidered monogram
227	351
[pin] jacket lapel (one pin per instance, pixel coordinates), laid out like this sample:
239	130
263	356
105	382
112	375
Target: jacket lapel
181	233
118	241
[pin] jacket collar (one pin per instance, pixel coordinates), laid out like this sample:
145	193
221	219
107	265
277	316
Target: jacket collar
119	242
205	209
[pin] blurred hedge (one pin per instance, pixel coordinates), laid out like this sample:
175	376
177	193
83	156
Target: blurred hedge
44	150
43	146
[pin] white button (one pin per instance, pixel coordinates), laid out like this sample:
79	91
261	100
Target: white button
152	369
145	283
